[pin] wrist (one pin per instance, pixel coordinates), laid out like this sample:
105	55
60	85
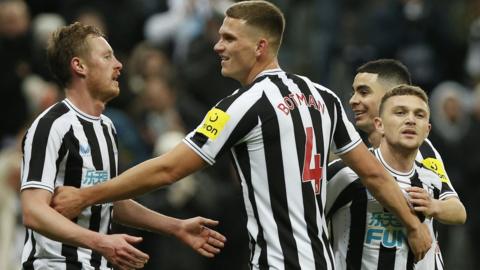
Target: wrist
413	223
93	241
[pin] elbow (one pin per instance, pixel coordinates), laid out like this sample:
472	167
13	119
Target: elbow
462	217
29	219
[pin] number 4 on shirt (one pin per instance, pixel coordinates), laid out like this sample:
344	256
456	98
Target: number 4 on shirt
315	173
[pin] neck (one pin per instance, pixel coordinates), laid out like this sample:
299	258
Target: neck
81	98
374	138
259	68
398	158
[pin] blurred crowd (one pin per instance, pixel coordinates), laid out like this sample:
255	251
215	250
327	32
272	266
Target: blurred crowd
171	78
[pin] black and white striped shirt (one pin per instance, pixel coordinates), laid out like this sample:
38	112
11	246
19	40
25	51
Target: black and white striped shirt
367	236
279	130
66	147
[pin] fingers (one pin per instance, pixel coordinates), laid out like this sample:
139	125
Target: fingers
209	222
205	253
132	239
216	239
415	189
132	257
134	254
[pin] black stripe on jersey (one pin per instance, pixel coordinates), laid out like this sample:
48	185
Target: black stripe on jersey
426	150
276	183
28	264
93	142
308	193
96	210
386	258
73	177
40	140
341	138
244	164
246	124
96	216
328	248
358	211
415	182
346	196
111	155
74	164
109	231
62	151
200	140
410	260
334	167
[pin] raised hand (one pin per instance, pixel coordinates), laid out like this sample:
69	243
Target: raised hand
195	233
118	250
68	201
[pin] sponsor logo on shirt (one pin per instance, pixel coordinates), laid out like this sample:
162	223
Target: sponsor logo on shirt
436	166
84	150
93	177
385	228
214	123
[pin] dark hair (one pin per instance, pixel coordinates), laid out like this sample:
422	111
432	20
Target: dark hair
403	90
387	69
261	14
64	44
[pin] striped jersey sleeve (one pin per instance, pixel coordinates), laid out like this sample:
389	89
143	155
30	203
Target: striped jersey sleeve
431	159
345	136
42	148
225	125
340	176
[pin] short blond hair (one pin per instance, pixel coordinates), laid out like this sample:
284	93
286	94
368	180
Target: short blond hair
403	90
263	15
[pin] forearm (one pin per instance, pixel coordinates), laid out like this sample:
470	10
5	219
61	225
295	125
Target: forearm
388	193
450	211
133	214
145	177
40	217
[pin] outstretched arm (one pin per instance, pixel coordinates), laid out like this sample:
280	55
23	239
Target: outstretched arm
146	176
448	211
40	217
384	188
193	232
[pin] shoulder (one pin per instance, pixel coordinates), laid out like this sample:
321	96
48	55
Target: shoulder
56	112
427	150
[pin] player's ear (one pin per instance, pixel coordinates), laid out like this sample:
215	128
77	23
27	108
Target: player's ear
78	66
262	46
377	122
429	128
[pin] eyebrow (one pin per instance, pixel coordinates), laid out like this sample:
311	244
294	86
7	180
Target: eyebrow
408	108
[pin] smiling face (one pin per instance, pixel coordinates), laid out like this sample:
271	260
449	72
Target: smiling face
368	91
103	69
404	121
237	48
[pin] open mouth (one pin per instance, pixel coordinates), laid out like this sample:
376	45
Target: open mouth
224	58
